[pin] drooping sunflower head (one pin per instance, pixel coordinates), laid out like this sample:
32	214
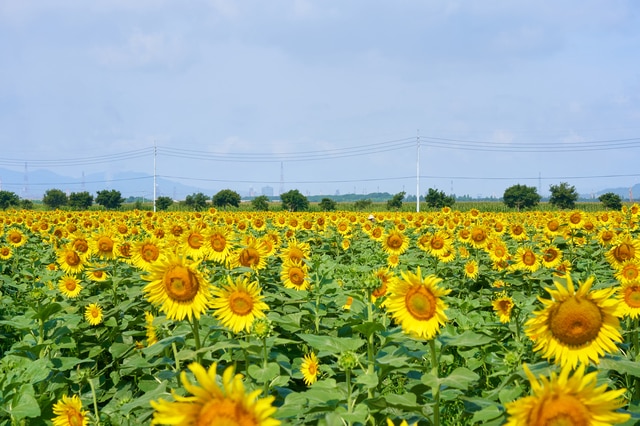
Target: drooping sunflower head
566	399
238	303
177	287
576	327
215	400
415	302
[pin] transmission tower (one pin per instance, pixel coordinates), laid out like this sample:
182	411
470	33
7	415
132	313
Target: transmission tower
281	177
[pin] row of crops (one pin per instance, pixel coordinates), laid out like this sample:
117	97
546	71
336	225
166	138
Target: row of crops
338	318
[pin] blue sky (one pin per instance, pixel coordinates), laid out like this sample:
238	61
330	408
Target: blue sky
326	96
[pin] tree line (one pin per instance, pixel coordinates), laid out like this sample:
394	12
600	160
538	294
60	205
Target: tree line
520	197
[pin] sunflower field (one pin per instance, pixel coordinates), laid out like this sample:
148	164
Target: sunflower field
337	318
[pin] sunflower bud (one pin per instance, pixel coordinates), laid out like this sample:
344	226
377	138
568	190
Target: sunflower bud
348	360
262	328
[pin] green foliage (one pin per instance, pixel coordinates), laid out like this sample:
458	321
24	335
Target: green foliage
395	203
8	199
294	201
611	201
362	204
563	196
225	198
197	202
109	199
55	198
163	202
438	199
26	204
80	200
327	204
260	203
521	197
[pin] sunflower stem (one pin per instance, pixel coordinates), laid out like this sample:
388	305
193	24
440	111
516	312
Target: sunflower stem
195	327
176	359
436	390
348	380
370	341
95	401
264	364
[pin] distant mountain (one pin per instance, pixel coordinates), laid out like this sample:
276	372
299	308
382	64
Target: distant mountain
130	184
622	192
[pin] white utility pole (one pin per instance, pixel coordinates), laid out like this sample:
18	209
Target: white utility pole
418	172
154	175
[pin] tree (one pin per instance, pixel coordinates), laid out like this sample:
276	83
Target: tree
327	204
109	199
80	200
225	198
362	204
8	199
563	196
55	198
521	197
260	203
26	204
396	201
163	203
438	199
197	201
294	201
611	201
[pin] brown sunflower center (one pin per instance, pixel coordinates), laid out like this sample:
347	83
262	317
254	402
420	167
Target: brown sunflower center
70	285
249	257
105	244
81	245
553	225
75	418
72	258
394	241
218	242
575	218
240	303
377	232
437	243
181	284
632	296
150	252
380	291
15	237
575	321
517	230
624	252
420	303
195	240
550	255
607	236
528	258
4	251
560	410
478	235
630	272
296	275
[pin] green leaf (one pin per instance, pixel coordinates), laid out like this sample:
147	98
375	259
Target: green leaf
369	328
333	345
24	404
620	365
460	378
263	375
468	338
46	311
488	414
369	380
68	362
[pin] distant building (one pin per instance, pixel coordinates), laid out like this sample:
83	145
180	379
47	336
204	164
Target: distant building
267	190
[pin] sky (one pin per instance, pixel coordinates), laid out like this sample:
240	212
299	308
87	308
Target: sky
325	96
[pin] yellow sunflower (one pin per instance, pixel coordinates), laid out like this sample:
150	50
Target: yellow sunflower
525	259
93	314
178	288
629	272
576	326
630	295
479	236
384	276
146	253
567	400
416	303
393	260
69	260
551	256
217	244
624	250
471	269
310	368
402	423
214	401
103	245
503	306
395	242
15	237
237	304
70	286
6	252
252	255
152	337
295	275
97	272
295	250
69	412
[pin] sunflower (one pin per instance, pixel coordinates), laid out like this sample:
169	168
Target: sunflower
395	242
178	287
503	306
498	251
526	259
152	337
517	232
629	272
630	295
69	260
551	256
217	244
295	275
384	276
102	245
6	252
70	286
402	423
16	237
626	249
479	236
295	251
252	255
393	260
214	401
471	269
310	368
567	400
97	272
606	237
192	243
416	303
238	303
146	253
436	244
69	412
93	314
576	326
